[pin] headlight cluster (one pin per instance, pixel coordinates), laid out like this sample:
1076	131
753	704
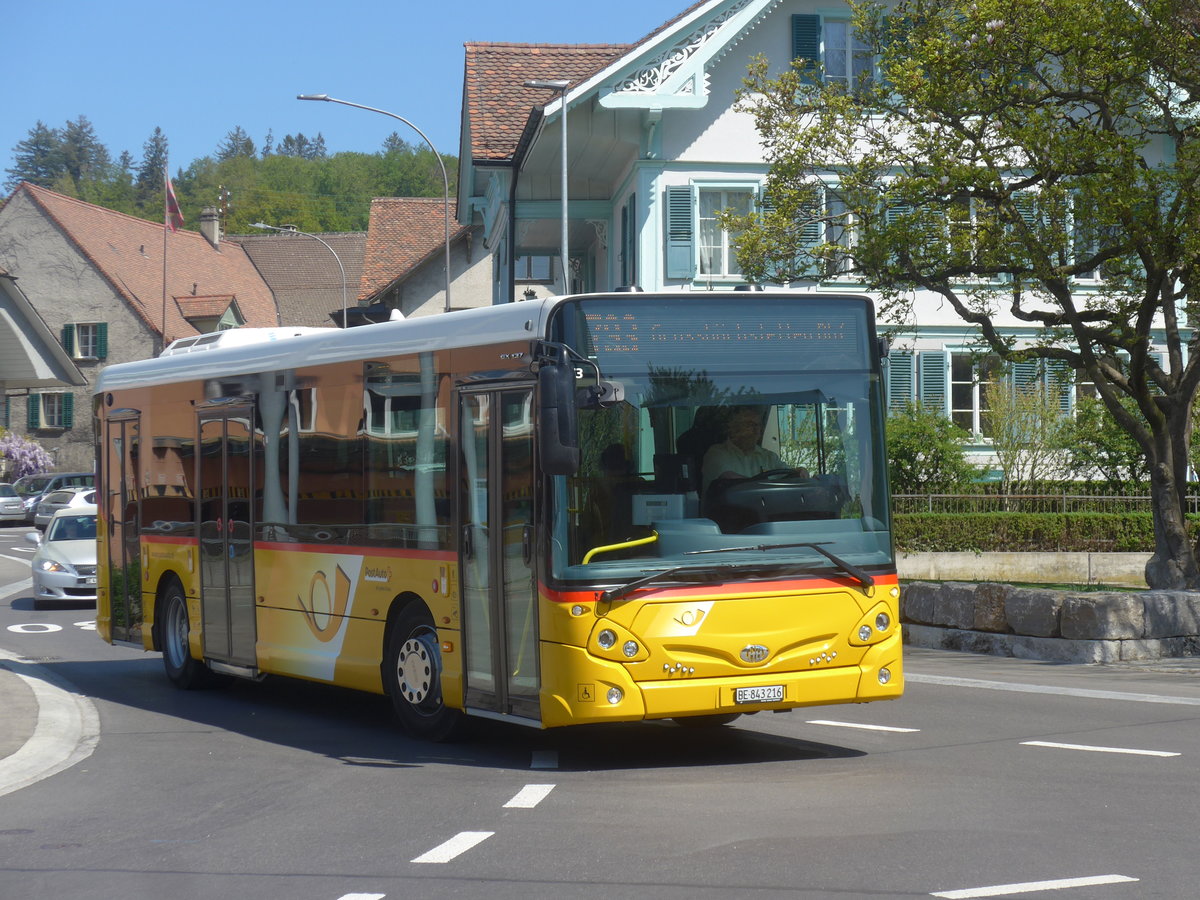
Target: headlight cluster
611	641
873	627
50	565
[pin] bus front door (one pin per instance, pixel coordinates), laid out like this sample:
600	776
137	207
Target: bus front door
500	629
120	511
224	482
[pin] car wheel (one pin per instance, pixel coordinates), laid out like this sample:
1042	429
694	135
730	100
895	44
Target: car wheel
412	676
185	672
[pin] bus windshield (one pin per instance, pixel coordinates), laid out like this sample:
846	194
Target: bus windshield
754	442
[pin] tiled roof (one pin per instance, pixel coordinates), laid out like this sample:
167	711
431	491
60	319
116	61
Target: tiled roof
128	252
304	276
203	307
402	233
496	101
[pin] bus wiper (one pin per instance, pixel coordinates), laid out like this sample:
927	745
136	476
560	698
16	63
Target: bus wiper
849	568
665	575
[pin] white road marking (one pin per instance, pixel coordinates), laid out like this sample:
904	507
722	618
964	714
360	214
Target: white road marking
529	796
1093	749
457	845
67	729
35	628
362	896
1028	887
1048	689
835	724
544	759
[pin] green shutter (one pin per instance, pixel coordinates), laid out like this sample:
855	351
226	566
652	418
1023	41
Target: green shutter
681	252
68	410
68	339
33	411
102	340
806	44
1025	374
901	379
934	393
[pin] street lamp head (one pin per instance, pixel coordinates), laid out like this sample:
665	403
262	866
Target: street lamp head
312	97
549	84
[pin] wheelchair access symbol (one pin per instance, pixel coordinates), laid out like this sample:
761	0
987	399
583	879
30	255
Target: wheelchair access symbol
587	693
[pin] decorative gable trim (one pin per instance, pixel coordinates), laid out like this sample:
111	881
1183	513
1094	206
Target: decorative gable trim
675	76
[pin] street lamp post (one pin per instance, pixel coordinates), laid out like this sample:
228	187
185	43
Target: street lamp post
560	85
436	155
291	230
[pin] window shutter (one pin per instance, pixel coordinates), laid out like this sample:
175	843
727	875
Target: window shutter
681	252
68	410
806	44
934	394
901	379
33	409
1024	374
68	339
102	340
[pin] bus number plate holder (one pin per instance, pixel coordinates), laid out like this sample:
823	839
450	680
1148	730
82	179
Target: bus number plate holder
769	693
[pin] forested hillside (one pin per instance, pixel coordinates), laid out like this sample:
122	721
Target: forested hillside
291	180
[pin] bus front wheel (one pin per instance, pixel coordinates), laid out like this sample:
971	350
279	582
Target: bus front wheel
185	673
412	676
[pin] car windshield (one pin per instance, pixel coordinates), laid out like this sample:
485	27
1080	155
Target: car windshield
768	459
72	528
29	485
7	490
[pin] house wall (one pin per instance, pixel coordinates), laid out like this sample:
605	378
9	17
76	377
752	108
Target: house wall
65	288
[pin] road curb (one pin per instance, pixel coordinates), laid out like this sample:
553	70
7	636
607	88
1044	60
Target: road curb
66	730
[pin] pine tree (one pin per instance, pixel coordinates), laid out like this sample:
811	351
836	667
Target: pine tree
154	163
35	159
237	143
82	156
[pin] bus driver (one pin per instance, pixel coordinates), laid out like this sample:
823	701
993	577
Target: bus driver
739	455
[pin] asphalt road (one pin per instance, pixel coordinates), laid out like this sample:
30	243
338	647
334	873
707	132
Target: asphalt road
1068	781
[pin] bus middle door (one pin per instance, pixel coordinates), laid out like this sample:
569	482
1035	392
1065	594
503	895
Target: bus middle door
500	628
225	498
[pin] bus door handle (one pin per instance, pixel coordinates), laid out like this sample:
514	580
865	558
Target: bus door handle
527	544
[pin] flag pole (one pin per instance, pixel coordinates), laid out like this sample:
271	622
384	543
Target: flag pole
162	344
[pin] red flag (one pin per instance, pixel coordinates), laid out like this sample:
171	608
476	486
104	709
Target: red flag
174	217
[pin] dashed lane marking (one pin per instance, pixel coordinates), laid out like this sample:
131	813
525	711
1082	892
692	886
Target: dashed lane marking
1092	749
529	796
456	846
835	724
1029	887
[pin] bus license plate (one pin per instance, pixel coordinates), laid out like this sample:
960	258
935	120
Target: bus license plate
770	693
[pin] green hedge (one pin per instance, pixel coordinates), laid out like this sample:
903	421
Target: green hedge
1026	532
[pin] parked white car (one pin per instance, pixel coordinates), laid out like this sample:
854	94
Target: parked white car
64	566
12	507
62	499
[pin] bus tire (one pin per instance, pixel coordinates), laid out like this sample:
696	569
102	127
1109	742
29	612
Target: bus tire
412	676
710	721
184	672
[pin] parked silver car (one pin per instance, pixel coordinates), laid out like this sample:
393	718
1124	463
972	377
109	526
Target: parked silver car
12	508
33	488
64	566
62	499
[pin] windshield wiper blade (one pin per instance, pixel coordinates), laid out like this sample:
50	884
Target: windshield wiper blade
849	568
627	589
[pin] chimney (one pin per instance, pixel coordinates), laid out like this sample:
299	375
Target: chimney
210	225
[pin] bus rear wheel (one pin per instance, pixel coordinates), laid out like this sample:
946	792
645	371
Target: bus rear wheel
185	673
412	676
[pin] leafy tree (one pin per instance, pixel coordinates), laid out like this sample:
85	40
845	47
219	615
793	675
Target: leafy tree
1027	429
1007	150
24	456
1097	447
926	453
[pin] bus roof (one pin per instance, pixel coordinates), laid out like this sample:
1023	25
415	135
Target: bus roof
281	350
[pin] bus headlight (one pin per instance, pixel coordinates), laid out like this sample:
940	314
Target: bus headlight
885	675
615	695
606	639
630	649
864	633
882	622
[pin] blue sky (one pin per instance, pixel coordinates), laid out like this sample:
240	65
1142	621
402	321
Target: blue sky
199	69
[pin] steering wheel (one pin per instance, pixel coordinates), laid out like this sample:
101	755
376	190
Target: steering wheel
776	473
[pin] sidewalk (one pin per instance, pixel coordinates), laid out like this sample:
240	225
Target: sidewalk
18	712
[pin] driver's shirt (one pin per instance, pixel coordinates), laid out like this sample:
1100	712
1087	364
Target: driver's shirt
728	457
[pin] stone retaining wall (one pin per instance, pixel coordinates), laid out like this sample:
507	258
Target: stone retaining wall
1035	623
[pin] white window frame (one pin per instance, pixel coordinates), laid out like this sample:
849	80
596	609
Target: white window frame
728	263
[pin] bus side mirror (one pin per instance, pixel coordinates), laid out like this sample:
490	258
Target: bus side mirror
558	424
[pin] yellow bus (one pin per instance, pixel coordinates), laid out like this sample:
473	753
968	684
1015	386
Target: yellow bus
598	508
